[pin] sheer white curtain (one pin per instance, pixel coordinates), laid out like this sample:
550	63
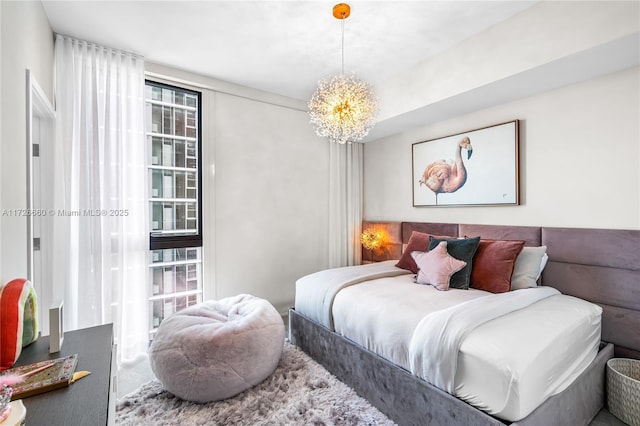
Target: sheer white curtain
100	180
345	204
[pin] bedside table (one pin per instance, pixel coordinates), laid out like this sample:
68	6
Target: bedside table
89	401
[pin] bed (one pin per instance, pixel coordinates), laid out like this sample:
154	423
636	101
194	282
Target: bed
385	363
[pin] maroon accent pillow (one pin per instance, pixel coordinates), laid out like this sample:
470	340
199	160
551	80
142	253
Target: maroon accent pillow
493	265
418	241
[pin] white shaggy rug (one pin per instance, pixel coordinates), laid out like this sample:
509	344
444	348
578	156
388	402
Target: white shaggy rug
299	392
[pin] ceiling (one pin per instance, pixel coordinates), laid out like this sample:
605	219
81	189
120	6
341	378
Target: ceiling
282	47
285	47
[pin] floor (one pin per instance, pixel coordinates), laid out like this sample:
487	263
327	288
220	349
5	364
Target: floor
605	418
132	375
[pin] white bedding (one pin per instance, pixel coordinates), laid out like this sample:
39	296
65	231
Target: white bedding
511	365
437	339
506	367
382	314
315	292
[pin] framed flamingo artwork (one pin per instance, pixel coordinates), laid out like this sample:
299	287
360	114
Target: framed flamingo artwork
474	168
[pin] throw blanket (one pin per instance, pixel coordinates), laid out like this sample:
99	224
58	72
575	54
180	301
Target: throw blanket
324	285
436	340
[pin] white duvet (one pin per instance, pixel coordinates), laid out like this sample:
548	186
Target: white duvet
315	292
437	338
507	362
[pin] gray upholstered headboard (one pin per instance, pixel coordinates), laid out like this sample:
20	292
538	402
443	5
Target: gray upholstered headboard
598	265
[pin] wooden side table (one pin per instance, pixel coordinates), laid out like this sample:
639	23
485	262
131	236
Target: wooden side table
89	401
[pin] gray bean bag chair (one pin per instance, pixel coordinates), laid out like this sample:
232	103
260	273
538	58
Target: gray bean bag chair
217	349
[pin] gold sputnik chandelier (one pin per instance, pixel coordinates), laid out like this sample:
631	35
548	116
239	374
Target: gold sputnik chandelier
344	107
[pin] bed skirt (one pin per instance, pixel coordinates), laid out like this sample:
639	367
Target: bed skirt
409	400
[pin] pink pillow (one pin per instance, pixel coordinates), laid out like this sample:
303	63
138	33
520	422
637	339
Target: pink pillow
493	265
436	267
418	241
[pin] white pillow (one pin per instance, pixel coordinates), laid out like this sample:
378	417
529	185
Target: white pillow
528	267
543	263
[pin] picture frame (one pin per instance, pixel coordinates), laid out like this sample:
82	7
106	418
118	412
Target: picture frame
478	167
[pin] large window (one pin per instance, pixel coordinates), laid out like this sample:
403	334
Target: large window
175	196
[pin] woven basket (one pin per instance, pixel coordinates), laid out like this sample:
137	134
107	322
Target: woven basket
623	389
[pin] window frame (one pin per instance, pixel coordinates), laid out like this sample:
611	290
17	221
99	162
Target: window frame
175	241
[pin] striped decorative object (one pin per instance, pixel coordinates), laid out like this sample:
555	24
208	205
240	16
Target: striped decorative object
623	389
18	320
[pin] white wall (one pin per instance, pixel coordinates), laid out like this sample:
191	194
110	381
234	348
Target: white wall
265	190
271	199
27	43
579	160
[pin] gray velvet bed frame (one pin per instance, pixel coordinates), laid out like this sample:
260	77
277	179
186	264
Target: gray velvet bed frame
599	265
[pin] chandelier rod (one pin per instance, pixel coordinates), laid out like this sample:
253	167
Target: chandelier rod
342	25
342	11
